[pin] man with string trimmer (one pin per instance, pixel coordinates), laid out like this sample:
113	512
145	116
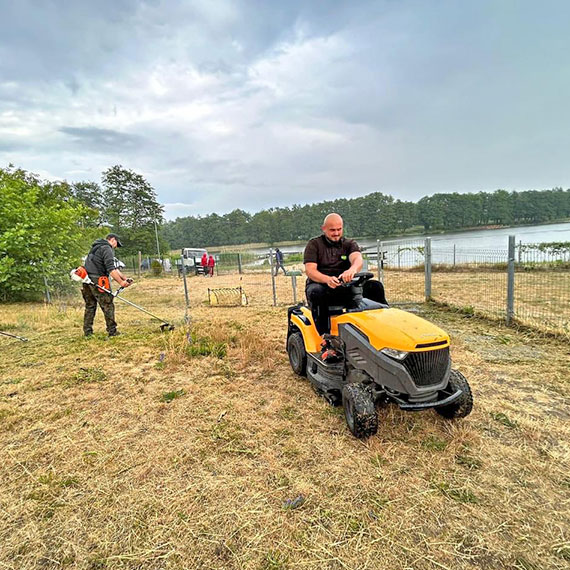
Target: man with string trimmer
100	265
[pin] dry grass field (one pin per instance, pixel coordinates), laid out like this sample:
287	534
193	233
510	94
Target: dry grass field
200	449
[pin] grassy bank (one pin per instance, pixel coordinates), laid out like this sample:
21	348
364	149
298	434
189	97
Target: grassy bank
200	449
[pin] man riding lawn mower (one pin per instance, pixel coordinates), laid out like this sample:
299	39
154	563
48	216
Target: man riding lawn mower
357	350
383	355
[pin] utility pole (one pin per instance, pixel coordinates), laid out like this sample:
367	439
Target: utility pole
156	234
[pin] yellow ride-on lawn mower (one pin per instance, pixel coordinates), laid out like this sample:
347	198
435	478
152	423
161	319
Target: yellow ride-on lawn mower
385	355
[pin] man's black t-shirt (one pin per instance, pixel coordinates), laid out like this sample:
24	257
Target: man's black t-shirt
332	258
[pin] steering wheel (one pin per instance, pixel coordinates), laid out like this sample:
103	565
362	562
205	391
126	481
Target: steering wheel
358	279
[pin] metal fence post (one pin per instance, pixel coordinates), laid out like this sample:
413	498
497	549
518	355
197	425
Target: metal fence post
381	264
454	250
427	267
378	258
294	284
48	296
140	264
185	289
511	281
272	277
239	264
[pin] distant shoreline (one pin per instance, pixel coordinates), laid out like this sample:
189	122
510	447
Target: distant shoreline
249	246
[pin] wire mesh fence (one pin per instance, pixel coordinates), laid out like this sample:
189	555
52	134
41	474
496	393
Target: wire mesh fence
473	280
402	270
476	280
542	286
528	284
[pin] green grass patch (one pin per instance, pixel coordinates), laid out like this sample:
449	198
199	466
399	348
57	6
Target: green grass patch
205	346
289	413
169	396
434	443
378	461
10	381
504	420
468	461
88	375
274	560
459	495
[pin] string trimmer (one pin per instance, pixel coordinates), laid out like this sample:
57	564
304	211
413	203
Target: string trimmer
80	275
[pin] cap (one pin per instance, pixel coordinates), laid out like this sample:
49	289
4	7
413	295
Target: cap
119	244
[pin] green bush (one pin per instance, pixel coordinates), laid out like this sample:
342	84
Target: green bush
41	234
156	267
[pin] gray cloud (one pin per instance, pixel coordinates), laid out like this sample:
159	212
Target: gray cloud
226	104
101	139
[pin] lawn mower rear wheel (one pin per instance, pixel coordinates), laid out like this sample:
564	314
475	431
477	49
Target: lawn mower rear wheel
297	353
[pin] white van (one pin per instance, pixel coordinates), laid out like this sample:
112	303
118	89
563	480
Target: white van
192	258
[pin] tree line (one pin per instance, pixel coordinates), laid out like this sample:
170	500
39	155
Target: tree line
375	215
47	227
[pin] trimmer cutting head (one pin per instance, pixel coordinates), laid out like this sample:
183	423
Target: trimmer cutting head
166	327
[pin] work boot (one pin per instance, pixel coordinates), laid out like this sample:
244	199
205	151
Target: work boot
328	351
115	333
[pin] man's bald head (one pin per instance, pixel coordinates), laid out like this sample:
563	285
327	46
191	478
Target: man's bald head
332	227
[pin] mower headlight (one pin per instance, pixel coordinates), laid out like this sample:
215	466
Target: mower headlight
393	353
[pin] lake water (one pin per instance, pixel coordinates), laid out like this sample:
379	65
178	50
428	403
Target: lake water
490	239
474	239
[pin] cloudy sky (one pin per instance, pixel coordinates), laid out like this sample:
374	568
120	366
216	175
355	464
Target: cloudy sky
223	104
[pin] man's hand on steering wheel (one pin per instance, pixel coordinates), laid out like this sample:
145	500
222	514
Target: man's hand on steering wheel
347	276
333	282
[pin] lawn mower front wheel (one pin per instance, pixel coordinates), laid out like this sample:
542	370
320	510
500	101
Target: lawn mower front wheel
359	410
464	404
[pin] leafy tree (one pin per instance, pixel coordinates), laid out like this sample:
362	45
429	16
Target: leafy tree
129	206
89	194
40	234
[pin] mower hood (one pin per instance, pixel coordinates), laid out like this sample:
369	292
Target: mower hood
394	328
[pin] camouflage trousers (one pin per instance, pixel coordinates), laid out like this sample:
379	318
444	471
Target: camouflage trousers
92	296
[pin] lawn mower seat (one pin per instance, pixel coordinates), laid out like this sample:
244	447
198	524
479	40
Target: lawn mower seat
336	309
333	309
